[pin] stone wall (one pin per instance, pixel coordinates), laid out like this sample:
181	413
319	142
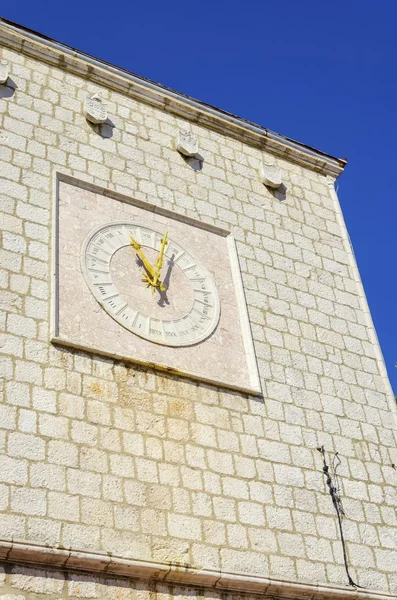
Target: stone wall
19	583
102	455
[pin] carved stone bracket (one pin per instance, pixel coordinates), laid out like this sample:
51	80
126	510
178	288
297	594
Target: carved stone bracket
187	144
4	71
270	175
95	109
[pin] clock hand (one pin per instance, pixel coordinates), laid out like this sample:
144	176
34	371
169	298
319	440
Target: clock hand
148	277
159	264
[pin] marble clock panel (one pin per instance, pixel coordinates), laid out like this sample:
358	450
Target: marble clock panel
174	300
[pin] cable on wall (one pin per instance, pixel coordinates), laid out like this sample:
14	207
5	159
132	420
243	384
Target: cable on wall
334	490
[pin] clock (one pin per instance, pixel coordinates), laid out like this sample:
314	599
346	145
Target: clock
150	284
140	283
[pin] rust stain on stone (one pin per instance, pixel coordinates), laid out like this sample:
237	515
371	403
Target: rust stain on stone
177	406
96	388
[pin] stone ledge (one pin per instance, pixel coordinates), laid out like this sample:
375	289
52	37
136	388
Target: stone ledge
104	564
30	43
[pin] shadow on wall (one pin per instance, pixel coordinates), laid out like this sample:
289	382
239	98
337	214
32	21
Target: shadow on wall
194	162
105	130
279	193
7	89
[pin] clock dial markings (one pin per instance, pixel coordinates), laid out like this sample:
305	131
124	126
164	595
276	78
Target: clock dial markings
122	307
156	328
146	237
135	319
128	315
183	328
195	273
138	235
194	326
203	315
102	246
188	267
97	270
185	261
124	235
112	304
170	331
162	328
204	302
204	289
109	241
141	323
177	254
101	260
110	296
204	308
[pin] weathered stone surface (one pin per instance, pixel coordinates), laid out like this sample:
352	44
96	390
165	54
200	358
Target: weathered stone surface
99	454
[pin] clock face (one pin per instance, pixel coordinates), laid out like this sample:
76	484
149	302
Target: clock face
171	301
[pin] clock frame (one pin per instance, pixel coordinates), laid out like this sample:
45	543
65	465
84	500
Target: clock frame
222	353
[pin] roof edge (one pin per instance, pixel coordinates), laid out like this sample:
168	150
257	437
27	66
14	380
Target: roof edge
55	53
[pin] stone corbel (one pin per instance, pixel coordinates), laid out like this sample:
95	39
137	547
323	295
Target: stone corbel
95	110
4	71
188	145
270	175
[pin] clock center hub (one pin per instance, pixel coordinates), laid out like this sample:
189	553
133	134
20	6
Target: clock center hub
126	271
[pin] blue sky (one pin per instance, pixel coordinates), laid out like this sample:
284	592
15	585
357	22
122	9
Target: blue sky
321	73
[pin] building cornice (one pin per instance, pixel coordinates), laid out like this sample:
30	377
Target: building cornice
111	565
92	69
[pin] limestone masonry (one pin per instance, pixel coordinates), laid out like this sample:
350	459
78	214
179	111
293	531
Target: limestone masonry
120	479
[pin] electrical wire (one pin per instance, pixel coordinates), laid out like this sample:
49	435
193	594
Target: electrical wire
334	490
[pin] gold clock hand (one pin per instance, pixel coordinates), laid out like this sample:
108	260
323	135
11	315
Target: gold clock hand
148	266
159	263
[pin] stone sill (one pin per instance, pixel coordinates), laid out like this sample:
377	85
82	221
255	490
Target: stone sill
103	564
